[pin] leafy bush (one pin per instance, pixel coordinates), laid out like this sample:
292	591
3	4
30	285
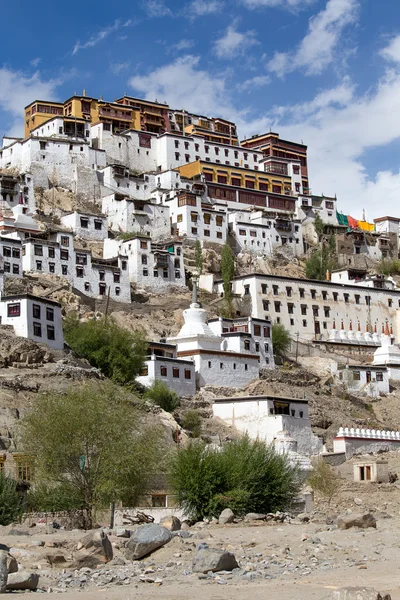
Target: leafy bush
192	421
54	498
10	500
389	266
281	340
324	480
118	353
160	394
246	476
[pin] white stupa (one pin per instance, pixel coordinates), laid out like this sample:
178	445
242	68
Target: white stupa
284	444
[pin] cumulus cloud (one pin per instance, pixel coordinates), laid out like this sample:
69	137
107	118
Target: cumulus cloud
182	84
317	49
234	42
392	51
18	89
339	126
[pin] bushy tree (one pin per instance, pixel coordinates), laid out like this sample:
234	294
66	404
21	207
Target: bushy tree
322	259
324	480
389	266
246	476
118	353
192	422
92	439
319	226
227	274
281	340
160	394
10	500
199	257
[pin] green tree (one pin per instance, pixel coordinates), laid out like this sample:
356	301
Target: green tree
118	353
319	226
324	480
322	259
227	274
10	500
192	422
160	394
92	439
244	475
199	257
389	266
281	340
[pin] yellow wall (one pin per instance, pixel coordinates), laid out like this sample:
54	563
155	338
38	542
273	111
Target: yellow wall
198	167
35	120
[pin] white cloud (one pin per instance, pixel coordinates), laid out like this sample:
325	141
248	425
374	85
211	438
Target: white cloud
234	43
35	62
183	85
184	45
101	35
17	90
392	51
118	68
287	4
156	8
254	83
339	126
316	50
200	8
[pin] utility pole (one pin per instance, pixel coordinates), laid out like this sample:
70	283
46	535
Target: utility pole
297	344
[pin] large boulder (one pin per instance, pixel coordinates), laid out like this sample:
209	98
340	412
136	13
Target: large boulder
227	516
360	520
256	517
100	544
23	580
357	593
146	539
171	523
12	564
3	571
211	559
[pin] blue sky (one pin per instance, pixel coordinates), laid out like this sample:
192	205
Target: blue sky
325	72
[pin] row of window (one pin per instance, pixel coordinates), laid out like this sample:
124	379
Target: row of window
217	150
253	184
253	232
98	224
14	310
206	233
165	273
79	271
288	291
37	331
14	252
175	372
8	269
207	218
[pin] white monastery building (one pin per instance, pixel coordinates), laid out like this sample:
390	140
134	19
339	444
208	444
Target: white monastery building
35	318
87	226
314	308
220	359
163	365
152	265
263	417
